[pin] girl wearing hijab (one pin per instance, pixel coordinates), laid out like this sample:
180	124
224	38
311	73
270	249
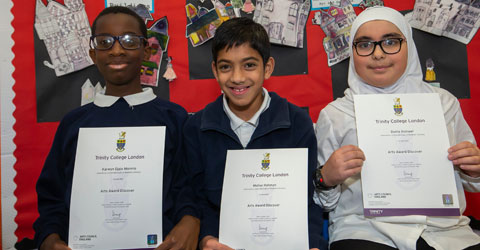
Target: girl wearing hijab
384	60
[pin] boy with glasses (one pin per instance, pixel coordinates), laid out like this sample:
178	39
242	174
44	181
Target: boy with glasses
118	49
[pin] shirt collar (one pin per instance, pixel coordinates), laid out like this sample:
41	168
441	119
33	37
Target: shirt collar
236	122
102	100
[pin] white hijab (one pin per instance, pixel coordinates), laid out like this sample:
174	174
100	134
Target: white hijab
410	81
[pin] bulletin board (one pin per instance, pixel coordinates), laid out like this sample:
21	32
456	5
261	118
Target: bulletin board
311	88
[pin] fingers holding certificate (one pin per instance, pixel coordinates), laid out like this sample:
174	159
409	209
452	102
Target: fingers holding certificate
343	163
467	156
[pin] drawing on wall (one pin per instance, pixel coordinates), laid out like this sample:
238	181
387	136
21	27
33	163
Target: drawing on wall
455	19
169	72
157	37
204	22
325	4
237	6
89	92
284	20
65	31
370	3
142	11
248	6
149	4
336	23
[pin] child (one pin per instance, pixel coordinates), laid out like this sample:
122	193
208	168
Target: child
245	116
390	65
118	48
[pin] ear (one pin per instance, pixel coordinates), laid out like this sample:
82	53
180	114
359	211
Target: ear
93	56
269	67
214	70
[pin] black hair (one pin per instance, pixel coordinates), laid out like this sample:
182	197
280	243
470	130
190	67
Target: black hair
238	31
123	10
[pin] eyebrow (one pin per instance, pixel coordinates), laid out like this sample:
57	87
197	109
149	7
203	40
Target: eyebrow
125	33
243	60
388	35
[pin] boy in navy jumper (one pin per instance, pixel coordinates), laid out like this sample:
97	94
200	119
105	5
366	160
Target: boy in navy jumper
118	49
246	116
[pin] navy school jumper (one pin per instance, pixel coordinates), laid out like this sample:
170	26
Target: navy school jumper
208	136
54	185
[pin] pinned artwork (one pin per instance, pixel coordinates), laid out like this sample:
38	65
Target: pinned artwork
65	31
203	22
336	23
370	3
143	12
169	72
325	4
430	74
284	20
89	92
149	4
456	19
237	6
248	7
158	38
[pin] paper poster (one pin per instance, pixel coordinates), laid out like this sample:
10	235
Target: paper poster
284	20
325	4
130	3
336	23
65	31
454	19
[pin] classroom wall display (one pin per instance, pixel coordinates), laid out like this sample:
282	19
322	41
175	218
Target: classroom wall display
301	75
62	64
288	60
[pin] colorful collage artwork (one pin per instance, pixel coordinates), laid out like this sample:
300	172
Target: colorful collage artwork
158	38
336	23
204	22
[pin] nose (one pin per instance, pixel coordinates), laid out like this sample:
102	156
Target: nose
378	52
117	49
238	76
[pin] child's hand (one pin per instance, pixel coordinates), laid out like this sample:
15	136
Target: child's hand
467	157
184	236
211	243
53	242
343	163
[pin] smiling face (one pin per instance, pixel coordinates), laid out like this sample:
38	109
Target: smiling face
119	67
379	69
240	72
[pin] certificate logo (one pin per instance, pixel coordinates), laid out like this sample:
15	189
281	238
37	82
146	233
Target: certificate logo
447	199
121	141
397	107
266	162
152	239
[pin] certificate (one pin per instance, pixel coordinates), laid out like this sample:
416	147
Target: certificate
405	141
264	199
116	200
